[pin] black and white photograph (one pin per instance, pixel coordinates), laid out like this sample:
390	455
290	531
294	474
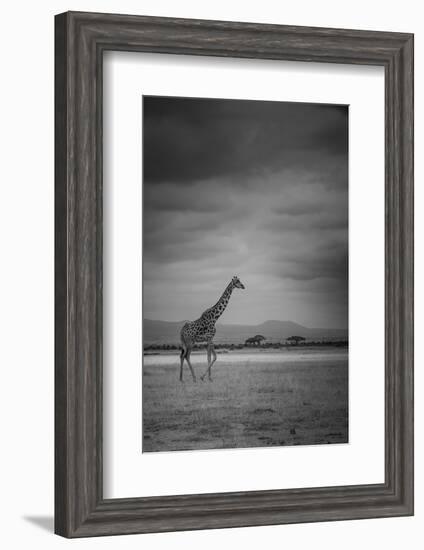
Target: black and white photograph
245	273
209	272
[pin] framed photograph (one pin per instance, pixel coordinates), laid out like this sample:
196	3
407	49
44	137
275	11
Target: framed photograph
234	274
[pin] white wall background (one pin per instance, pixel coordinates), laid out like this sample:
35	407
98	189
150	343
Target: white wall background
26	286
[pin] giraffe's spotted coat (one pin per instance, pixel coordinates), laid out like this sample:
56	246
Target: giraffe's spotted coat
203	329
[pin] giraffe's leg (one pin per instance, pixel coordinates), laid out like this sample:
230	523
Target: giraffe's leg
187	358
211	352
213	360
208	348
182	355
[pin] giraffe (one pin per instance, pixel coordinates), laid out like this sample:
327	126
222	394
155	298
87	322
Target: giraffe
203	330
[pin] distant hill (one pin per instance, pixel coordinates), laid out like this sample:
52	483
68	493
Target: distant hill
168	332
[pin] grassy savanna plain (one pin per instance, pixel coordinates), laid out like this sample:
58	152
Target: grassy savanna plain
257	398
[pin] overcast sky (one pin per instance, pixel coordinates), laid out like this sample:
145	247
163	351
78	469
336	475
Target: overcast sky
249	188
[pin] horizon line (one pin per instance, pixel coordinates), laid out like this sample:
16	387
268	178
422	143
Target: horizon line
254	324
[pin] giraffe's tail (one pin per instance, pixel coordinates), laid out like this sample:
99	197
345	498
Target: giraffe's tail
183	333
183	344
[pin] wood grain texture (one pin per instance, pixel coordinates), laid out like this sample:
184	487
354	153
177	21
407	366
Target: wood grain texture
81	39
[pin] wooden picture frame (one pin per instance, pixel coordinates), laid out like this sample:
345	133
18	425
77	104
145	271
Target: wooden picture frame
81	39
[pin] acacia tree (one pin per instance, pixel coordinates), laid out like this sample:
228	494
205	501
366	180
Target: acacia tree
255	340
295	339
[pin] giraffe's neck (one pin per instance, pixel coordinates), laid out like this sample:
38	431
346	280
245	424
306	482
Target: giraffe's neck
218	309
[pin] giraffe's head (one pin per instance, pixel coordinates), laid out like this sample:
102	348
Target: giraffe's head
237	283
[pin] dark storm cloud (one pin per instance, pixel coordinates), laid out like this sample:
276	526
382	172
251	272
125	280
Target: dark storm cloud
165	198
325	262
257	189
187	139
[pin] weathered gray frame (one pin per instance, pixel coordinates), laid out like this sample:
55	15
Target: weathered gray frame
81	39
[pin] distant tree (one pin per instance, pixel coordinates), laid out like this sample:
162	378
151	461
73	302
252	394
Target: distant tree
295	340
255	340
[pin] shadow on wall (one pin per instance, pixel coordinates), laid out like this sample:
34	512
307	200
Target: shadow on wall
43	522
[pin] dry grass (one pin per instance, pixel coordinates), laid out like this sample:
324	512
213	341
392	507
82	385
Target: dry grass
255	400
